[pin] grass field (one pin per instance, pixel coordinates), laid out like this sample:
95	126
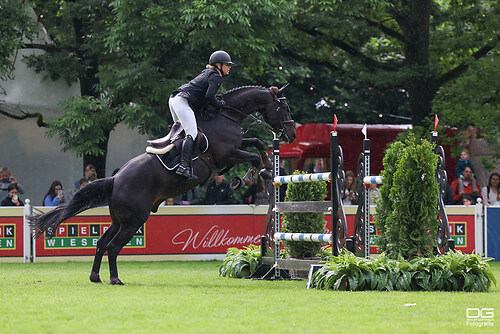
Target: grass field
190	297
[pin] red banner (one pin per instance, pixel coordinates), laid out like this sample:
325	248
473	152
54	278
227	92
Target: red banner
11	232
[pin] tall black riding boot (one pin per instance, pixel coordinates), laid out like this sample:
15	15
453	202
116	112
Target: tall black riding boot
184	168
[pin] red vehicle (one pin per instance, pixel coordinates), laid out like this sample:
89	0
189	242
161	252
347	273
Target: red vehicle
313	142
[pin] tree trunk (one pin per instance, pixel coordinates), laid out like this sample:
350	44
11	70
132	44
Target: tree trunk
421	87
88	83
99	162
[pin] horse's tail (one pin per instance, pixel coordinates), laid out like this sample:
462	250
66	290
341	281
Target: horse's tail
94	194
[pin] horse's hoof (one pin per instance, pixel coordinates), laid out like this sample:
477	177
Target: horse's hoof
94	277
115	281
236	183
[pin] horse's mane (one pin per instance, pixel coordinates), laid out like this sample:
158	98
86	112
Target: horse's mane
237	89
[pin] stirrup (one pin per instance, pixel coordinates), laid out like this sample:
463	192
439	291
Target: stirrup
186	172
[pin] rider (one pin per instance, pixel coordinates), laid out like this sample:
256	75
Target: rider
192	96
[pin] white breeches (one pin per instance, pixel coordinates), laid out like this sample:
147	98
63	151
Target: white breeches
182	112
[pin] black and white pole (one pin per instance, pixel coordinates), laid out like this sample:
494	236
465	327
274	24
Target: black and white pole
334	142
277	218
366	157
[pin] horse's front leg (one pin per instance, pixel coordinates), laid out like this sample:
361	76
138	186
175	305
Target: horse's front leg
259	145
238	156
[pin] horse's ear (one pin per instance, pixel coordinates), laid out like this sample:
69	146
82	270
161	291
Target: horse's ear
274	90
280	91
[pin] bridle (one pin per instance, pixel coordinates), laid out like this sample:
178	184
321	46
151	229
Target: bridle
279	110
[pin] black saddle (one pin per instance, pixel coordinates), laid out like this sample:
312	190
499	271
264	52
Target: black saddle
172	158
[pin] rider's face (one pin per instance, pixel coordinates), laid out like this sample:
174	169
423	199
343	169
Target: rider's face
226	68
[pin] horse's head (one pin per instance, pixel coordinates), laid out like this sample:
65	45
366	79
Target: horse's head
277	114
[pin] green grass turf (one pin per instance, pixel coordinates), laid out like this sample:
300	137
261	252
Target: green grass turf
190	297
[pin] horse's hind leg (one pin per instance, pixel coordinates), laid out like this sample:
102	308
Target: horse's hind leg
100	250
121	238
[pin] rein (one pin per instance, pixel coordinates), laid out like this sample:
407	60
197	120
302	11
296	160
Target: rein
255	119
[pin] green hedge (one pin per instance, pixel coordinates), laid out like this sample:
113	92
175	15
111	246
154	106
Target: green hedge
406	213
450	272
308	222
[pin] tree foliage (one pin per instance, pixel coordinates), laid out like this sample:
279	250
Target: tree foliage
406	213
474	100
363	57
15	28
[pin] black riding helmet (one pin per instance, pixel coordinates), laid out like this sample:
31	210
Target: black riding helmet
219	57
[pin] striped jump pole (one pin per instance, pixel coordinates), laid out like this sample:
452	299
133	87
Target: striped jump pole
304	237
303	178
373	179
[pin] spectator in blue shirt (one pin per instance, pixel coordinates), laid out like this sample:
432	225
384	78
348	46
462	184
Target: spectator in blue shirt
55	195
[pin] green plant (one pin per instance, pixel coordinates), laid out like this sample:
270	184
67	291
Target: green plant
454	271
240	262
310	222
406	213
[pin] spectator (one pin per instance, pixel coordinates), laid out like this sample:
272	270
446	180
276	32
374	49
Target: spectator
89	173
470	186
461	164
191	197
349	195
318	167
55	195
7	179
12	198
448	196
497	202
374	194
81	183
256	193
490	192
467	199
219	192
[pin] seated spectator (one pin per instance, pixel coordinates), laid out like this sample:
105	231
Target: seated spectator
317	167
497	202
219	192
191	197
490	192
12	198
468	200
7	179
349	195
69	194
373	193
448	196
89	173
55	195
471	186
256	193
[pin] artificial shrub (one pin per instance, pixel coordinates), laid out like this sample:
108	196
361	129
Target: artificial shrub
310	222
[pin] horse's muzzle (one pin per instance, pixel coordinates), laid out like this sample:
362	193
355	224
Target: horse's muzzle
289	132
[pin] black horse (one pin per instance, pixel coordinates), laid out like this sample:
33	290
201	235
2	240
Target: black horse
143	183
